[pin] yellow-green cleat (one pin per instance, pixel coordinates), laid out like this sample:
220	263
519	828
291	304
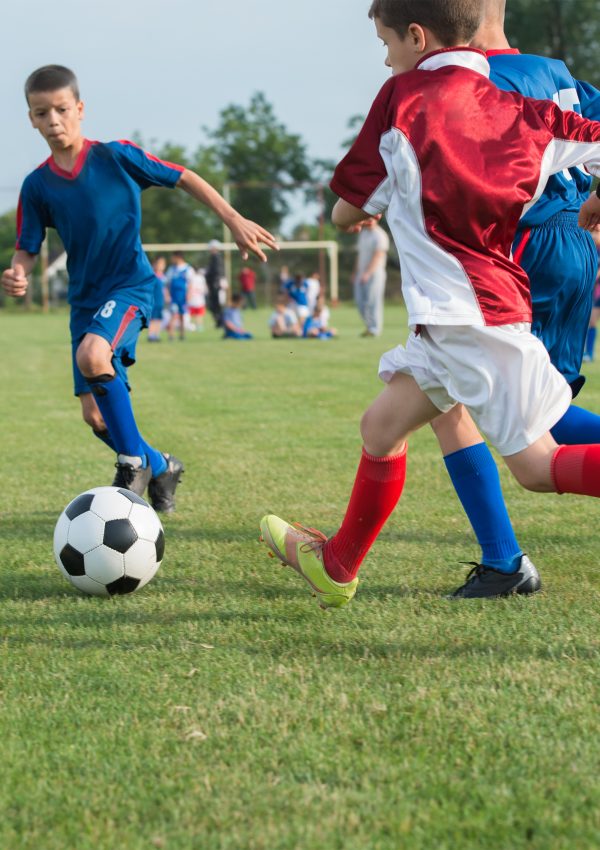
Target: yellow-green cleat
302	549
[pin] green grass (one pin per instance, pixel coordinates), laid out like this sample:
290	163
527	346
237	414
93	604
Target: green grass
220	707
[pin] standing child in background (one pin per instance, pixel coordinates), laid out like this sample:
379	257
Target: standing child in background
178	278
159	265
233	324
247	278
196	300
468	303
90	193
370	275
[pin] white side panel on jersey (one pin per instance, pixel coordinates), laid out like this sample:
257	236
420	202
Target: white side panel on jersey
565	153
436	288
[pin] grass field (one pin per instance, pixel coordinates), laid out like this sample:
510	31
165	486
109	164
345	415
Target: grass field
220	708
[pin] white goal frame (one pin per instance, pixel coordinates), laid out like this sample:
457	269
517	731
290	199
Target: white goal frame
330	246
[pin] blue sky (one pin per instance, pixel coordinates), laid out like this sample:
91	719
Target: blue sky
167	69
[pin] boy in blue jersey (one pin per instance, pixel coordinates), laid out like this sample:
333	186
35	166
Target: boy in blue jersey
560	259
179	276
90	193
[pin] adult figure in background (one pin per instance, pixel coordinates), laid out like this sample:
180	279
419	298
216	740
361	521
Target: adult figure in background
247	278
369	275
215	272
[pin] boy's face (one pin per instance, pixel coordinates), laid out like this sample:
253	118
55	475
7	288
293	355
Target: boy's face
402	53
57	115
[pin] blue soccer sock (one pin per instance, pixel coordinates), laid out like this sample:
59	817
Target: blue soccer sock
578	427
474	475
112	398
590	343
156	460
105	437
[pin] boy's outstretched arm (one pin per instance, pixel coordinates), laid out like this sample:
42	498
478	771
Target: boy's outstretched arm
14	279
349	218
246	234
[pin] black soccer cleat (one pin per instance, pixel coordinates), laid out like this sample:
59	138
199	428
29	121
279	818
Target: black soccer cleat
162	488
134	478
486	582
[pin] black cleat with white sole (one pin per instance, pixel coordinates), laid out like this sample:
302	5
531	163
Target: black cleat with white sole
486	582
162	488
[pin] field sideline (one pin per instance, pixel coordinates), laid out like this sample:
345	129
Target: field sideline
220	708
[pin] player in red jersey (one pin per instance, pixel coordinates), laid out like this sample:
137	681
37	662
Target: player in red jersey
453	161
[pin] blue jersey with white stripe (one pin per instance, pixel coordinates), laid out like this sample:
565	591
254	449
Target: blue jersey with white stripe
96	210
549	79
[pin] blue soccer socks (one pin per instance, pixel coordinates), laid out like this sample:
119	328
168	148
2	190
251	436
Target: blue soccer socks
474	475
105	437
157	461
112	397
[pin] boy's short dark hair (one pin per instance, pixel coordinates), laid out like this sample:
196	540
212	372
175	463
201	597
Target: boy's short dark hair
51	78
451	21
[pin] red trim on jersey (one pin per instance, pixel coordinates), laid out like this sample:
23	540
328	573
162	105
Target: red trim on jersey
521	246
464	49
79	162
19	222
512	51
151	156
125	322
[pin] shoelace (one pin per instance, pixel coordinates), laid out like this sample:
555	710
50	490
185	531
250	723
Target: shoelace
475	572
319	538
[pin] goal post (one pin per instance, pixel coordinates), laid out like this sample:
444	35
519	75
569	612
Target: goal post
330	246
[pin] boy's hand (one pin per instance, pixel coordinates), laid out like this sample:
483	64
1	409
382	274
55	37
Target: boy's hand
247	235
14	281
589	214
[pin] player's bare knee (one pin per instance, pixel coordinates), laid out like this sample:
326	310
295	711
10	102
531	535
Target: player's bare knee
94	358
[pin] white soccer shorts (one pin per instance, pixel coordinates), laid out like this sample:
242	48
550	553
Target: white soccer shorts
503	375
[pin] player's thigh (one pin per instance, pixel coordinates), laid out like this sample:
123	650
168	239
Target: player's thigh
532	467
110	335
401	409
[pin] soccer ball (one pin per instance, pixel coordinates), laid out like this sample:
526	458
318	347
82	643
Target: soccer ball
108	541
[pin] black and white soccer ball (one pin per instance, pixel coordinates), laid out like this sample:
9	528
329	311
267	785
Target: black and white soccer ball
108	541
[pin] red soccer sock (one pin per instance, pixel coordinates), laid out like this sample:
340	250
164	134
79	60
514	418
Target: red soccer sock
576	469
377	488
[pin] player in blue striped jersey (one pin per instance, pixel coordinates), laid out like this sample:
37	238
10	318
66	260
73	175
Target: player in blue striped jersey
560	260
90	193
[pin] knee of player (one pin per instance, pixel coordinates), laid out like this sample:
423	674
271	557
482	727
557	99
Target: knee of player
93	360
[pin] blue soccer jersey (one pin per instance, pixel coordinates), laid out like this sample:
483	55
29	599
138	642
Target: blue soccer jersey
96	211
549	79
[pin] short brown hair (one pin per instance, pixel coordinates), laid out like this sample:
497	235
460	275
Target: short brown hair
51	78
451	21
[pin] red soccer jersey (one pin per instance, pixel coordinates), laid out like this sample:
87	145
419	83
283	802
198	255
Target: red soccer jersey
456	162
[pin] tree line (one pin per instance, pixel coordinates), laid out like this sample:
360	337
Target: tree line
261	159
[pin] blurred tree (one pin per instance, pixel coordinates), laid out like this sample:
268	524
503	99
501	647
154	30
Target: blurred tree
251	146
565	29
173	216
8	236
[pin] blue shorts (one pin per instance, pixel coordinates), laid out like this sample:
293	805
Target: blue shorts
561	261
119	322
178	299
